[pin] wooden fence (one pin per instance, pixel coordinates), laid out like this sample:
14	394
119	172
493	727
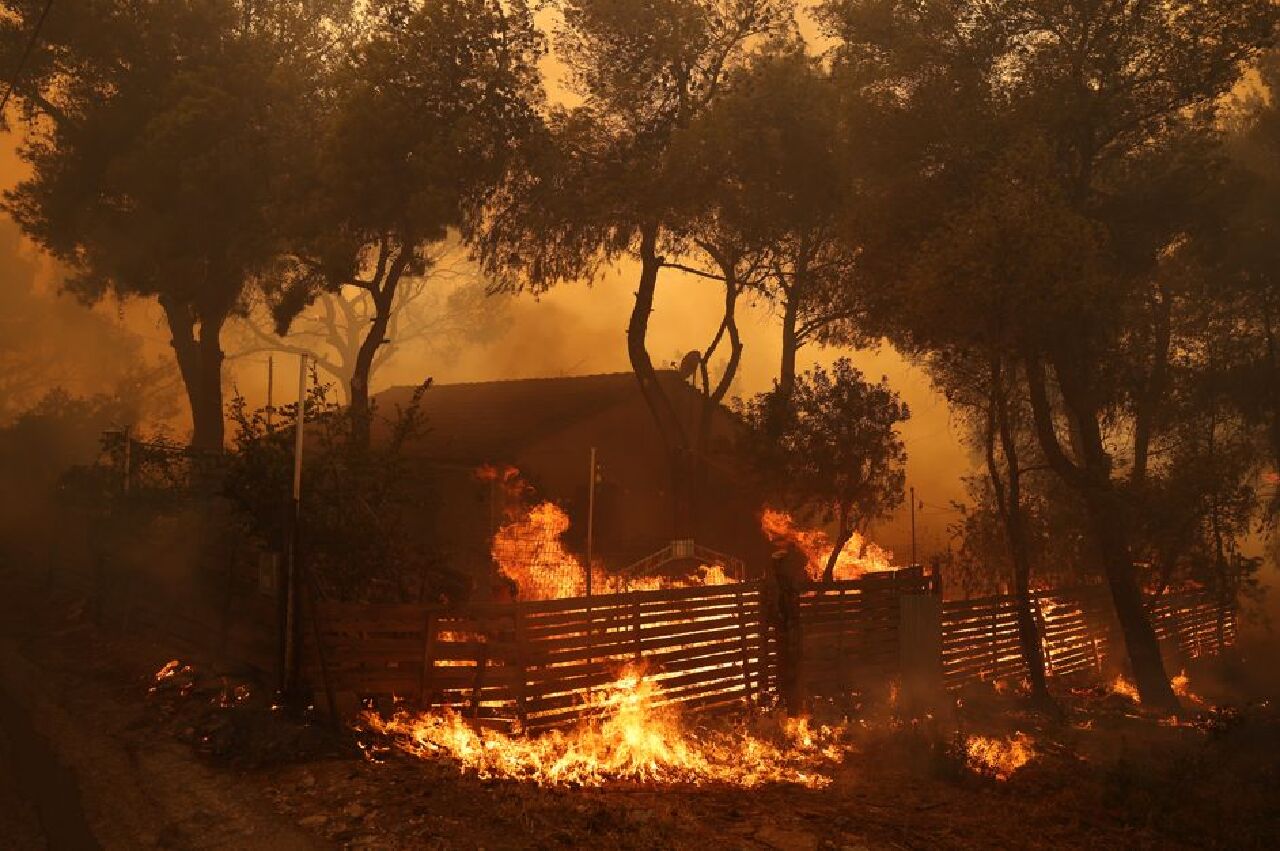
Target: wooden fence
534	665
851	630
1077	630
537	665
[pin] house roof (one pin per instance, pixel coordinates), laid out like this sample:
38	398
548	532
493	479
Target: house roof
483	422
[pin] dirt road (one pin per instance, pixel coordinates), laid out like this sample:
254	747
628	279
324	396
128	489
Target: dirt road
81	767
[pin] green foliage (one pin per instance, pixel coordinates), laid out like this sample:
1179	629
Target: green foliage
365	510
835	450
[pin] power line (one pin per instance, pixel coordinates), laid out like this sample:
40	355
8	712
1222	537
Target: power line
26	54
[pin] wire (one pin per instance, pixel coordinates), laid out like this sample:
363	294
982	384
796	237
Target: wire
26	54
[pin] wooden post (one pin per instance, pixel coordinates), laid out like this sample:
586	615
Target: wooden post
477	685
784	616
428	660
746	647
635	625
920	650
1043	626
522	697
995	656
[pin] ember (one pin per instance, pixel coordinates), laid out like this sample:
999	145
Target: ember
631	737
1124	688
858	557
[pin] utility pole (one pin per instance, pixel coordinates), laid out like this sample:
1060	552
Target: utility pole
292	631
271	384
128	458
913	526
591	518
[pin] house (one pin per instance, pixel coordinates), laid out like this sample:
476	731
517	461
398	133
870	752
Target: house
546	427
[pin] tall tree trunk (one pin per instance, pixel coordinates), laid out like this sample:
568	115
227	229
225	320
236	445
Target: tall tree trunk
383	292
671	430
1107	524
790	345
844	533
200	365
1010	504
713	396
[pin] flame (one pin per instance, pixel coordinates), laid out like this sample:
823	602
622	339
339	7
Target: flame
1181	684
1123	687
628	736
858	557
529	551
999	758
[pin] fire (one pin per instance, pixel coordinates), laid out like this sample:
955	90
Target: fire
1124	688
1181	685
999	758
629	736
858	557
529	551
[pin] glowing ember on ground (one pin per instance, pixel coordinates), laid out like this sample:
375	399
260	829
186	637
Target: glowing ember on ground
858	557
628	738
1124	688
999	758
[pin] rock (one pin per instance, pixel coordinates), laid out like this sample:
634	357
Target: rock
313	822
354	810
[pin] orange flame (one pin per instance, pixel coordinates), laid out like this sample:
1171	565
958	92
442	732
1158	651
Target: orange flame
629	737
999	758
529	550
859	556
1124	688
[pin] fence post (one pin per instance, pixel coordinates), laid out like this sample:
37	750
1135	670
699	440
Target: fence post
782	610
920	649
1042	627
746	646
522	701
428	660
635	625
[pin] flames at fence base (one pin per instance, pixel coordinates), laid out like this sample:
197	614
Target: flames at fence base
632	738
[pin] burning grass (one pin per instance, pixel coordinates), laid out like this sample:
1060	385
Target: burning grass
629	737
998	757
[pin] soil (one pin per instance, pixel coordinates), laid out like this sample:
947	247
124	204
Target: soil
94	752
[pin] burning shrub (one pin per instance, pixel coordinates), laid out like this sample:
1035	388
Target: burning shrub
833	449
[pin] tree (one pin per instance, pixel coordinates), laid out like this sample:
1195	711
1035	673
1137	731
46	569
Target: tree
1056	153
429	108
839	453
363	508
1240	253
787	166
988	393
608	184
155	132
439	312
